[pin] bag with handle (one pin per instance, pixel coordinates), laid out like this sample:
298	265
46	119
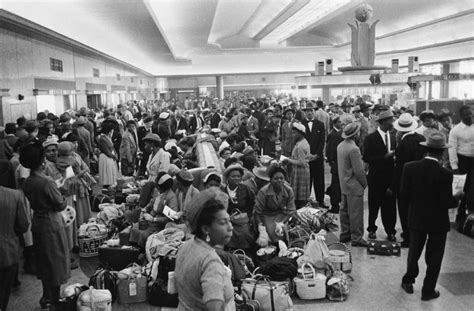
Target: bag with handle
310	287
246	261
105	279
70	295
337	288
158	290
131	285
272	296
242	303
94	300
316	251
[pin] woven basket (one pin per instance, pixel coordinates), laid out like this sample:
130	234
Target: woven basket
340	257
89	246
311	288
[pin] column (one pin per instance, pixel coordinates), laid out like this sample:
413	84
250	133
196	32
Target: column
444	84
220	87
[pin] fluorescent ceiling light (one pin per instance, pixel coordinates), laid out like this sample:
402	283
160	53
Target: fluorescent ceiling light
308	15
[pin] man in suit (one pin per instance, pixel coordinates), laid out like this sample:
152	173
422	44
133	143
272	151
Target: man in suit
364	124
215	117
379	149
408	150
315	135
14	223
323	116
333	140
85	136
10	131
196	122
252	123
427	187
128	149
181	123
353	183
141	133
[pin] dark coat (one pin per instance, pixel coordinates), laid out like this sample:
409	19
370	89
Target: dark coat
245	200
408	150
141	133
215	119
333	140
427	187
381	170
193	124
48	227
316	137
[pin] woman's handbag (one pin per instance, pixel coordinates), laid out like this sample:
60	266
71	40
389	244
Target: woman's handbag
131	286
310	288
94	300
272	296
246	261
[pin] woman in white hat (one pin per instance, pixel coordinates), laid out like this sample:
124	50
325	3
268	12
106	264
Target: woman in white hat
159	160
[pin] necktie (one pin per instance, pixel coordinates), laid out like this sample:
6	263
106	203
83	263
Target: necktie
387	143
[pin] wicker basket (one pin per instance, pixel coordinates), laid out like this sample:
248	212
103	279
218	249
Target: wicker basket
311	288
89	246
340	257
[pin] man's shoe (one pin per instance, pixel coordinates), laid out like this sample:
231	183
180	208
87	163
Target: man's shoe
372	235
405	244
433	295
361	243
408	287
391	238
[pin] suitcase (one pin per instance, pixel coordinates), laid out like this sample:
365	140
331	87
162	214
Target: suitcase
384	248
99	199
117	258
468	228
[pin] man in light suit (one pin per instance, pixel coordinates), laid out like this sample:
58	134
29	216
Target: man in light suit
14	223
128	149
427	187
353	182
252	123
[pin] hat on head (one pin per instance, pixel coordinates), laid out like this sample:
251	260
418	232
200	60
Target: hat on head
163	179
405	123
346	118
299	127
261	173
208	173
201	201
81	120
335	117
442	113
289	110
356	109
384	115
148	119
152	137
427	114
351	130
309	106
436	140
65	148
51	140
364	107
164	115
185	175
233	167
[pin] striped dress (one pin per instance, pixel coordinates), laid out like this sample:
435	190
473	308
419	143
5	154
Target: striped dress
300	178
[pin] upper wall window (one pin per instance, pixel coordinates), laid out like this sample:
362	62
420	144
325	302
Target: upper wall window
131	79
95	72
118	77
141	81
55	64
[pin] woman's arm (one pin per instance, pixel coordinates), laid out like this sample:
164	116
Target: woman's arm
215	305
51	191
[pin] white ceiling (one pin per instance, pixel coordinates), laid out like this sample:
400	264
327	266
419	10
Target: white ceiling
180	37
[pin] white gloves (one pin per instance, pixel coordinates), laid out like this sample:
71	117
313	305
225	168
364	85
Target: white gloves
279	228
147	217
263	238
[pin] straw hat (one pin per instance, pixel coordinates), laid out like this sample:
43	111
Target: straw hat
436	140
405	123
384	115
351	130
299	127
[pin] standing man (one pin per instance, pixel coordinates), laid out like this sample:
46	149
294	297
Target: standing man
128	149
85	136
323	116
142	131
215	117
408	150
196	122
427	187
461	156
252	124
353	183
364	124
315	135
333	140
379	149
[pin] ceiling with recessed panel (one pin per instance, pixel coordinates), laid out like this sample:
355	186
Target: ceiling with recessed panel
188	37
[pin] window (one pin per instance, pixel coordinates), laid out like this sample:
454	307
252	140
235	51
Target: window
118	77
141	81
56	64
95	72
131	79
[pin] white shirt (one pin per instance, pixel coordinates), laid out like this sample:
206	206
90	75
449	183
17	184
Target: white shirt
385	135
461	139
310	125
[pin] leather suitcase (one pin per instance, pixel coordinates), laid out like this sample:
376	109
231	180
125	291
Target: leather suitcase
384	248
117	258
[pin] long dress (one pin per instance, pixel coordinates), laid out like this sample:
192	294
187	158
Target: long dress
300	178
108	170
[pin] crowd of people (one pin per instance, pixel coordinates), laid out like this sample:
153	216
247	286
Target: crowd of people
272	154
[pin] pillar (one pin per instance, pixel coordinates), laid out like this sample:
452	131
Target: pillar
326	95
444	84
220	87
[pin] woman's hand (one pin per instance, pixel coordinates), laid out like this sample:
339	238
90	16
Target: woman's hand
263	238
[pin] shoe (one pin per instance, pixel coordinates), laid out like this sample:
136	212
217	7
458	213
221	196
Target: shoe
74	264
45	303
405	244
433	295
408	287
361	243
372	235
391	238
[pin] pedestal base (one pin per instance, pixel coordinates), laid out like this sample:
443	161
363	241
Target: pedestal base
362	69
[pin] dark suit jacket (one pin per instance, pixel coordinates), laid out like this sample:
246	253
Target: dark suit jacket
141	133
182	125
380	169
408	150
316	137
427	187
193	124
333	140
215	119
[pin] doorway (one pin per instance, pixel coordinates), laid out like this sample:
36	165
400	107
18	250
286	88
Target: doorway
94	101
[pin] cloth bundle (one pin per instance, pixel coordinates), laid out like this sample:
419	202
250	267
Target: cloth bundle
314	219
164	243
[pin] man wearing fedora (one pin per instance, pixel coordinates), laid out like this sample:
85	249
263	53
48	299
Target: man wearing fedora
353	182
379	150
445	126
428	123
408	150
427	188
333	140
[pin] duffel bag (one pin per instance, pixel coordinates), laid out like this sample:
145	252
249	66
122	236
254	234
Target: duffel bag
384	248
94	300
468	228
132	288
105	279
272	296
98	199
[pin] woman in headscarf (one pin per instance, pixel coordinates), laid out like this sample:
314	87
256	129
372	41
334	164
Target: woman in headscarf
159	160
49	236
186	192
51	156
274	206
202	280
108	171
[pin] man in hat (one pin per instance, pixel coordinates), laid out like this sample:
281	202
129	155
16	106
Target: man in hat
85	137
379	149
427	118
287	139
321	115
142	131
252	123
163	129
315	135
445	124
461	156
259	180
353	183
365	126
408	150
215	117
333	140
128	149
196	122
427	187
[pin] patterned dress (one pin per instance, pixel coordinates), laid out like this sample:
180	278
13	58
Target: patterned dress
300	181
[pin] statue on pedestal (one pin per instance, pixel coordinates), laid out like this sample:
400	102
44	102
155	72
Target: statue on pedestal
363	37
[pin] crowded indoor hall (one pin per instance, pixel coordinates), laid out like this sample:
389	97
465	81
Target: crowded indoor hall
236	155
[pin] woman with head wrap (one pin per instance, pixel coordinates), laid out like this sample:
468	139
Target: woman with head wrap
50	240
202	280
108	171
51	156
186	192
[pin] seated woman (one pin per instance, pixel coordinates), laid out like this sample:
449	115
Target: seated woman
274	206
241	202
185	192
152	217
202	280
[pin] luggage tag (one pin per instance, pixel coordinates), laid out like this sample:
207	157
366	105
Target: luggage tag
132	288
